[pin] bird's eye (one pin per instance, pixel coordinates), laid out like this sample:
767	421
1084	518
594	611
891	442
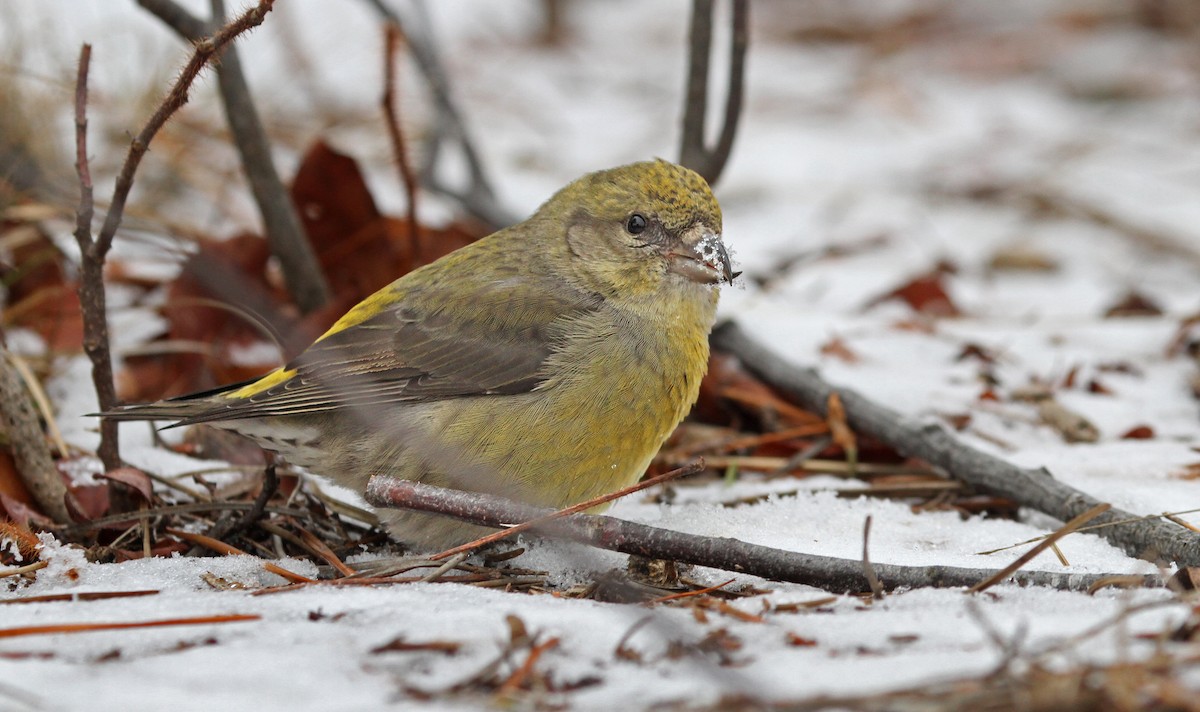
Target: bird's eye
636	224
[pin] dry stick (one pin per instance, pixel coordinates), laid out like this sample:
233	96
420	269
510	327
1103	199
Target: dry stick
31	453
478	198
1025	558
684	471
931	442
87	627
394	34
824	572
709	162
281	222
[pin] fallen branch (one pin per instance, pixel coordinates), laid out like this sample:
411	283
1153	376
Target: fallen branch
691	469
1036	489
723	553
31	453
281	222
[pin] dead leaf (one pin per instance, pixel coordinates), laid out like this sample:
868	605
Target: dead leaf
1139	432
926	294
1134	304
837	348
133	478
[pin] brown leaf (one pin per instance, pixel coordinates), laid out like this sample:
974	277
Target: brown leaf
18	511
1139	432
87	502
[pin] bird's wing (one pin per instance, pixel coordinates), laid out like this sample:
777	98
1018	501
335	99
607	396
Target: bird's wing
417	351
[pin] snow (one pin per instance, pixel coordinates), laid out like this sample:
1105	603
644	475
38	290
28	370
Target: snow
850	175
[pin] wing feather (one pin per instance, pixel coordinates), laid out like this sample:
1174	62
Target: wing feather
413	352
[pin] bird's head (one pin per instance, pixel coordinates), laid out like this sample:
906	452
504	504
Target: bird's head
641	228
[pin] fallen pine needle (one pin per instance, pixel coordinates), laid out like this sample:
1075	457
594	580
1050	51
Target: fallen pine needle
324	551
82	596
1048	542
688	594
522	673
222	548
87	627
1172	516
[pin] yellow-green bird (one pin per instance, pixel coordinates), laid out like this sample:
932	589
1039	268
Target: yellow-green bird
546	363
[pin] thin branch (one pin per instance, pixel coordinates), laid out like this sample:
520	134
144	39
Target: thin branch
710	162
92	300
931	442
394	34
478	198
717	552
281	222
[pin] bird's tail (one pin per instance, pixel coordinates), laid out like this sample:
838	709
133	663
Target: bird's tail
201	407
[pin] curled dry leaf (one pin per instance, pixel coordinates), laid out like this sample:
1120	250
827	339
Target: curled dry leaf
133	478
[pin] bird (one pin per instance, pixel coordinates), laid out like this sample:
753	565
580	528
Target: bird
547	362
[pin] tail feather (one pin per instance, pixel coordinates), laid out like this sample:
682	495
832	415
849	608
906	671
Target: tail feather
199	407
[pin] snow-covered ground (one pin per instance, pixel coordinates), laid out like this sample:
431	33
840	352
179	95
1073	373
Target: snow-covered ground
993	130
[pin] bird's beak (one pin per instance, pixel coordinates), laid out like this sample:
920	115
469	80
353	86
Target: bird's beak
702	258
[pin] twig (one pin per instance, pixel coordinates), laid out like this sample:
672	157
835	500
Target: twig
478	198
513	530
934	444
31	453
868	570
1028	556
270	485
284	230
709	162
394	34
21	570
825	572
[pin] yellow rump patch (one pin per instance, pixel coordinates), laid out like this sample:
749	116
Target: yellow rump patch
274	378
